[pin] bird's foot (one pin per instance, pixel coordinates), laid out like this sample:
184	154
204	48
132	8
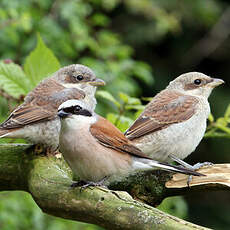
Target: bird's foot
51	152
39	149
48	151
79	183
85	184
196	167
200	165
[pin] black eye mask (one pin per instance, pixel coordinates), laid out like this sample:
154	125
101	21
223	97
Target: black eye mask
78	110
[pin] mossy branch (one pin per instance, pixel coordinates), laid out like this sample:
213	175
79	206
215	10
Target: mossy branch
48	180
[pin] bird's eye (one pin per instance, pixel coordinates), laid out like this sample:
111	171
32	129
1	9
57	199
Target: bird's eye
77	108
80	77
197	82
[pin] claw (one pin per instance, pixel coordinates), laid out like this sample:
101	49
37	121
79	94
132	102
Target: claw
39	149
78	184
85	184
200	165
196	167
189	180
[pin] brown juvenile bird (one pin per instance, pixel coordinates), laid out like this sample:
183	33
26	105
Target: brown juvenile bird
174	122
94	148
36	119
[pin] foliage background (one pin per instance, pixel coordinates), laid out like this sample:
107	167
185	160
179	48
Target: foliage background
137	47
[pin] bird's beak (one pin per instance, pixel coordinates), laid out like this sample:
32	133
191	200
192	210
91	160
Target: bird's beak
215	82
97	82
62	114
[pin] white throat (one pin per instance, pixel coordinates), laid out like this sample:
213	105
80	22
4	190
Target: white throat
76	123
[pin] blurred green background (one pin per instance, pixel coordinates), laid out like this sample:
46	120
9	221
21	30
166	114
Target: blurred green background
137	47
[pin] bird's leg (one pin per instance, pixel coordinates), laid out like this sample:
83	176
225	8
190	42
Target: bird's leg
78	183
195	167
85	184
188	166
200	165
180	162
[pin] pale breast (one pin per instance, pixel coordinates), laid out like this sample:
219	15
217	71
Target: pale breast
86	157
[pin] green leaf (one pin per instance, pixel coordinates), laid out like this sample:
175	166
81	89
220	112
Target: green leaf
40	63
124	97
223	128
129	100
227	112
176	206
122	122
13	80
143	72
222	125
108	96
112	117
221	122
135	107
137	114
147	98
211	118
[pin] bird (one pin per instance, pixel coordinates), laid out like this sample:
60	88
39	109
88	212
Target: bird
174	122
36	119
95	149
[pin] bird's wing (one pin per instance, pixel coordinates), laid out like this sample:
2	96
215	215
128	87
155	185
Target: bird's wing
41	104
168	107
108	135
26	115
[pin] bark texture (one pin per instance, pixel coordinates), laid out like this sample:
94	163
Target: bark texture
48	180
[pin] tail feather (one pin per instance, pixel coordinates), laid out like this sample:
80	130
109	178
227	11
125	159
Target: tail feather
147	164
178	169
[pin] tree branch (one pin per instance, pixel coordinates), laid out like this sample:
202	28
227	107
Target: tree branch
48	180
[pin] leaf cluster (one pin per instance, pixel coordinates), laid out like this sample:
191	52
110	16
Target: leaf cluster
77	31
220	127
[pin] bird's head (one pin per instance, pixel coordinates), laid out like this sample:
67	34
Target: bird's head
195	84
78	76
74	109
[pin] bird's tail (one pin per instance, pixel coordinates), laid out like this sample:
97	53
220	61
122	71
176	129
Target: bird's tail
147	164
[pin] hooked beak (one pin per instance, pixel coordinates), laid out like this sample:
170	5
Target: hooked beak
97	82
215	82
62	114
